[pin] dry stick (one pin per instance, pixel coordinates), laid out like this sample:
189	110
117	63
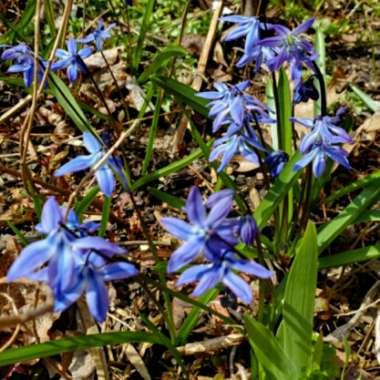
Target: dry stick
202	64
27	125
18	326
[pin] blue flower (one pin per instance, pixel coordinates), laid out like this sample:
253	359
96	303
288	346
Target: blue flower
72	59
248	229
75	262
221	270
59	246
203	226
91	273
305	90
104	174
24	63
276	161
99	35
250	27
290	47
321	143
229	146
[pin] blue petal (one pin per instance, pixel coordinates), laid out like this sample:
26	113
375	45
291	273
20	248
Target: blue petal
194	207
185	254
250	267
97	297
61	64
72	46
118	271
51	216
178	228
30	258
85	52
238	286
18	68
218	196
63	299
106	180
305	160
91	143
77	164
319	164
208	281
303	27
72	72
63	54
219	212
99	244
192	274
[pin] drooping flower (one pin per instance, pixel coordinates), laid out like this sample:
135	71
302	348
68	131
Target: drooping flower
202	227
321	143
222	270
99	35
72	59
305	90
290	47
91	273
23	57
251	28
104	174
248	229
243	143
276	161
70	261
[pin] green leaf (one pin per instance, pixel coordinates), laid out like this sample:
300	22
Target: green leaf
171	200
285	102
65	98
277	192
358	184
152	133
169	169
84	204
373	105
320	48
24	241
183	94
269	351
143	30
331	230
160	60
350	257
105	215
298	309
193	317
369	216
80	343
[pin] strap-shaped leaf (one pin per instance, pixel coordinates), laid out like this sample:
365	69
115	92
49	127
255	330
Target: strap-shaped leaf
297	324
269	351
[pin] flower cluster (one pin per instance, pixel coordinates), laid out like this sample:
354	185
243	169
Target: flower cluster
104	174
70	59
70	261
233	108
322	142
211	235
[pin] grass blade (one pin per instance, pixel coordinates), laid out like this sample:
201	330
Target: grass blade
79	343
373	105
331	230
143	30
183	94
350	257
171	200
269	351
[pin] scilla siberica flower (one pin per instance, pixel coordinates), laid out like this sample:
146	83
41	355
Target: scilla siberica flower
276	161
213	236
24	62
69	255
104	174
290	47
321	143
99	35
72	59
251	28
